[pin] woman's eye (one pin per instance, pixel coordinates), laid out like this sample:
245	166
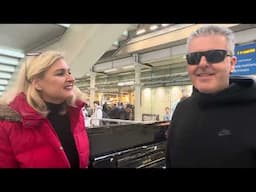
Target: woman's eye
63	73
60	74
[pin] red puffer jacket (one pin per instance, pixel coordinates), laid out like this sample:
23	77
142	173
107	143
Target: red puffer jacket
31	142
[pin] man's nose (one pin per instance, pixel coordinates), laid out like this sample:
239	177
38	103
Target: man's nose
203	61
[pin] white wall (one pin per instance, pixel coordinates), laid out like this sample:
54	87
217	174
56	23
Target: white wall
154	100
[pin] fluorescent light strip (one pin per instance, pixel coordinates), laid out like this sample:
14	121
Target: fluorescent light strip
110	70
64	25
159	32
8	60
140	31
11	53
125	83
3	82
5	75
2	88
153	27
128	67
6	68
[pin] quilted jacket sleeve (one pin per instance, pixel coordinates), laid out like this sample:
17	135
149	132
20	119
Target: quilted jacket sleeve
7	158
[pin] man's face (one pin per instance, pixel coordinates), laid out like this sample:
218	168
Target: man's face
210	77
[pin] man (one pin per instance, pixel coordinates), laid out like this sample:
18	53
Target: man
167	115
215	126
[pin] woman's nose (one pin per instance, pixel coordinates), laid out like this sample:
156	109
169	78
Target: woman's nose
70	77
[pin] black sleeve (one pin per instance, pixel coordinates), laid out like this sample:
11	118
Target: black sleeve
167	158
170	136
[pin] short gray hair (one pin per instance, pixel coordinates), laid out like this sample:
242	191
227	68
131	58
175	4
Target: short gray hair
214	30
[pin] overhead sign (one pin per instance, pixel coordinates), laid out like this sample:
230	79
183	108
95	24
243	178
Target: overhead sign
246	59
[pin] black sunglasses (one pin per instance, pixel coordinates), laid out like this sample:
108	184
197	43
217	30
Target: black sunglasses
212	56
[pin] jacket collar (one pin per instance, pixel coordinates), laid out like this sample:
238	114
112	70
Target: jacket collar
21	105
30	117
241	90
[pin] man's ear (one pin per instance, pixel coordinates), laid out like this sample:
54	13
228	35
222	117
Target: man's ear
233	63
36	84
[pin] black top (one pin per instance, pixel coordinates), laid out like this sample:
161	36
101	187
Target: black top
61	124
215	130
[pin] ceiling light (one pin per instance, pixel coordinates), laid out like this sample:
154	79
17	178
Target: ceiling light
2	88
5	75
125	33
3	82
12	53
153	27
116	43
9	60
110	70
128	67
140	31
7	68
165	25
125	83
64	25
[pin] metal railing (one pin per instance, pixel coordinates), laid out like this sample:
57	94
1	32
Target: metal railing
108	122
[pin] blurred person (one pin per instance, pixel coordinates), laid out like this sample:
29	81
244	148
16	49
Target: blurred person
41	118
122	112
97	114
167	115
87	115
215	126
114	112
105	110
128	112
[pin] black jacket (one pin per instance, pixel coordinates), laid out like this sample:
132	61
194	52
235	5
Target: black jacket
215	130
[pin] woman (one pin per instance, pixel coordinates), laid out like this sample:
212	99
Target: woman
41	121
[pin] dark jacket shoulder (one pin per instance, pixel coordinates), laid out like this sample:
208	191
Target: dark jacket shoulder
8	114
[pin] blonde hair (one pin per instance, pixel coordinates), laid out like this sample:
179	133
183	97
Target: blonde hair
32	68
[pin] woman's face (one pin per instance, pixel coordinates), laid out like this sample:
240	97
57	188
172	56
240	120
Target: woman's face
57	83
